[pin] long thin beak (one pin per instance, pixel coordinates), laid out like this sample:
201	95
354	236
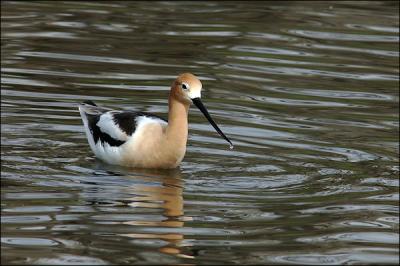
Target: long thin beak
203	109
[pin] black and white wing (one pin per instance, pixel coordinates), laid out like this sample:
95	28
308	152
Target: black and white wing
109	127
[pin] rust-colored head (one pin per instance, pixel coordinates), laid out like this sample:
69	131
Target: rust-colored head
186	87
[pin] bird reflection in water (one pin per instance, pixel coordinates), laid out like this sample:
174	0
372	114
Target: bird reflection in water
166	196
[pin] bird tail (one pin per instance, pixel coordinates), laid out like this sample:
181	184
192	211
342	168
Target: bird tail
90	108
89	102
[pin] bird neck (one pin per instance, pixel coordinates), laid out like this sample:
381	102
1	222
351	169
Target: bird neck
177	130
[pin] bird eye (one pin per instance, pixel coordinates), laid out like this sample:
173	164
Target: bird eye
185	86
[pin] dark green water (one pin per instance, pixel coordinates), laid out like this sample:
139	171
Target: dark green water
307	91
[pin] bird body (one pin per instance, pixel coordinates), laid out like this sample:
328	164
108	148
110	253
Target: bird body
144	140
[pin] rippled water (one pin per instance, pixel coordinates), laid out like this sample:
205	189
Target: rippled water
307	91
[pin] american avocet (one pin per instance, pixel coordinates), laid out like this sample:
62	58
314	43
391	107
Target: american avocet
144	140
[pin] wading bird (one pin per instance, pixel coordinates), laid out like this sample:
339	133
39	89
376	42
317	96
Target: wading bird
144	140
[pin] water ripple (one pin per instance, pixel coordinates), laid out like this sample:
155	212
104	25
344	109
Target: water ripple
308	93
89	58
345	36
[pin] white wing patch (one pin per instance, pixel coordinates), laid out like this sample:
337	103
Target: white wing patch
107	125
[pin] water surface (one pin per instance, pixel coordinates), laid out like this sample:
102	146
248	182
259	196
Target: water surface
307	91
